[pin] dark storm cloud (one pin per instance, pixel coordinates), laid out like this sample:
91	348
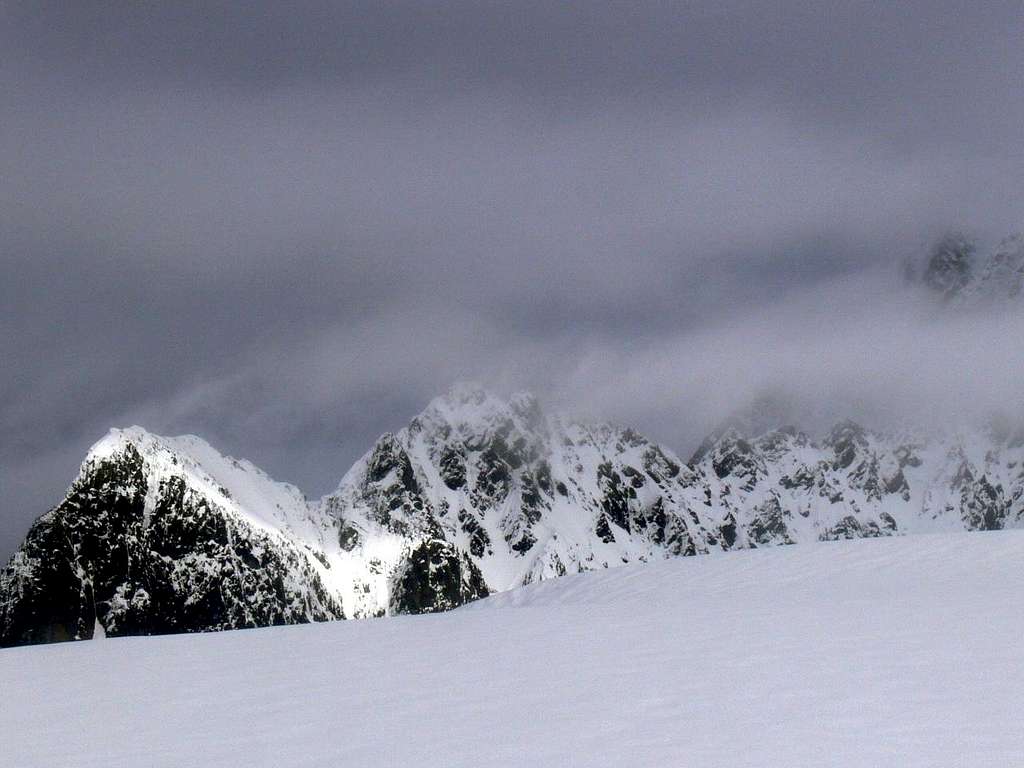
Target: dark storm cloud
286	226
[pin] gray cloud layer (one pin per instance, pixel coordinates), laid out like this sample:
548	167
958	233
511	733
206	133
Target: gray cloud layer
286	227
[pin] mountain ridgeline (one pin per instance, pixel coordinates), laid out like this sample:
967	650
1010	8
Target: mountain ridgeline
476	495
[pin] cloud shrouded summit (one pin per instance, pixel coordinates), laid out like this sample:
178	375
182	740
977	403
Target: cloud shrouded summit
288	230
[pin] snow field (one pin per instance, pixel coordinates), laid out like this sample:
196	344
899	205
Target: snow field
885	652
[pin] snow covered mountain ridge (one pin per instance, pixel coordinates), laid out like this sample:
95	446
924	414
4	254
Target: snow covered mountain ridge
476	495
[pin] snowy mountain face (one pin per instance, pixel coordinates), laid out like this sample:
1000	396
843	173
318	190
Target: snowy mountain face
476	495
962	276
163	535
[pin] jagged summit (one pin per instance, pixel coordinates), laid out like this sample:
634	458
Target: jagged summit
466	401
950	264
469	409
160	535
477	494
768	412
237	485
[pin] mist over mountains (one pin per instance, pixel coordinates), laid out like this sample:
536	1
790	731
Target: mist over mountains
935	347
479	495
287	231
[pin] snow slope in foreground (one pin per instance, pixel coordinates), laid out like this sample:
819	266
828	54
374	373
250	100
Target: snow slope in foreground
886	652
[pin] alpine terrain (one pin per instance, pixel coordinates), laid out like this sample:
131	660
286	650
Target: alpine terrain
479	494
476	495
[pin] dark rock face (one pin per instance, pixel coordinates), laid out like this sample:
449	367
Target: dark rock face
659	467
728	531
949	265
847	440
852	528
734	456
453	469
435	577
392	485
348	537
898	484
984	506
182	566
479	540
616	496
769	524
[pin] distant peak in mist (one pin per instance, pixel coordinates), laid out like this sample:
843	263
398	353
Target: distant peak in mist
961	273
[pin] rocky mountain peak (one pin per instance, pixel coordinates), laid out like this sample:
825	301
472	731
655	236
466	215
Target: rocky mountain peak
847	439
963	275
163	535
770	411
950	264
471	412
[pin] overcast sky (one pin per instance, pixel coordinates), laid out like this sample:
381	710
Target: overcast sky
286	226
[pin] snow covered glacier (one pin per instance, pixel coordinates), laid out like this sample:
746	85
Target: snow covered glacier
476	495
901	651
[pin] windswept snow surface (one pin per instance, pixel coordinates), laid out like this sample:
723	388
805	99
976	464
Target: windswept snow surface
883	652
